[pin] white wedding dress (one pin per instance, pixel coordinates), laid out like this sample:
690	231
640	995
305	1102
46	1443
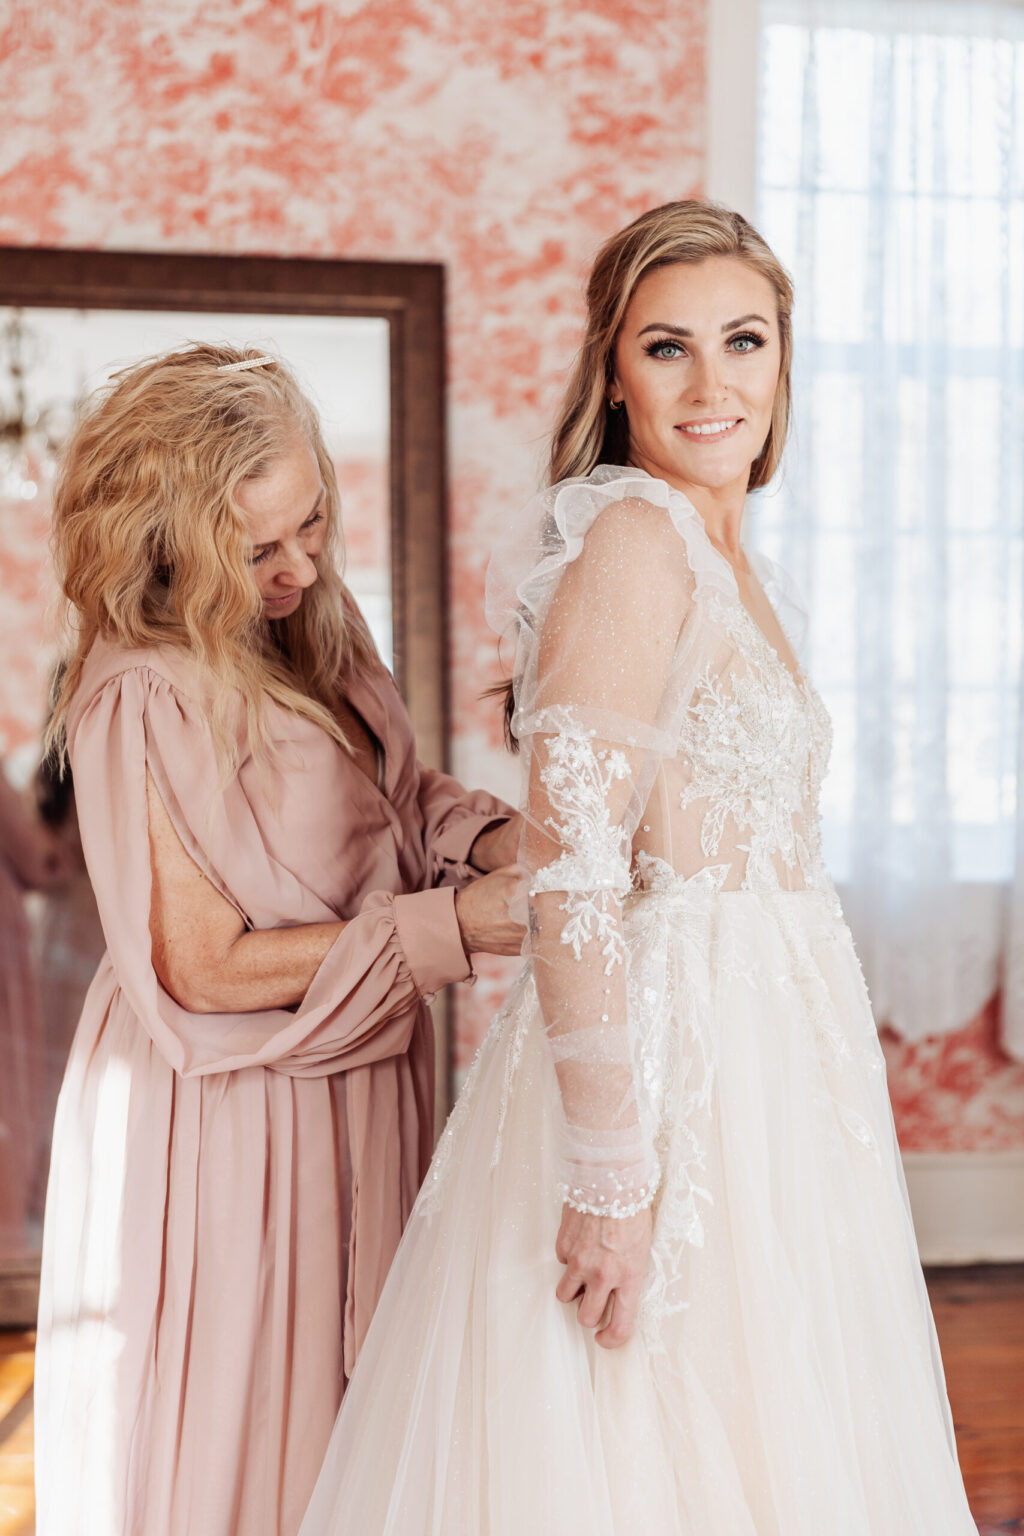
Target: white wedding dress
691	1028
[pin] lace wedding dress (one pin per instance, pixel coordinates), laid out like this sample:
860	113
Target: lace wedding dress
691	1030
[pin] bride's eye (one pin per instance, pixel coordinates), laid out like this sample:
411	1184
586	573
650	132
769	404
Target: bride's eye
665	348
747	341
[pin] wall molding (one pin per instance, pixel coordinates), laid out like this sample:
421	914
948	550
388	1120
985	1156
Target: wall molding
968	1207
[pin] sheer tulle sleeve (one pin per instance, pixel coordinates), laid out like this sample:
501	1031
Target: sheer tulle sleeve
595	718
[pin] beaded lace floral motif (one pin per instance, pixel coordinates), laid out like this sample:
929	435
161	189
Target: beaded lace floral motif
604	1174
757	742
593	868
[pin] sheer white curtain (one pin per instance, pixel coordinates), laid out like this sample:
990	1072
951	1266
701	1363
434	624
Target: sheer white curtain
891	182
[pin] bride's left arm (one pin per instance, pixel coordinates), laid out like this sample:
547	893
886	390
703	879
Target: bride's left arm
593	738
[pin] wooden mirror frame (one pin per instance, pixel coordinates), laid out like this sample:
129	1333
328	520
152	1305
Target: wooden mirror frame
410	297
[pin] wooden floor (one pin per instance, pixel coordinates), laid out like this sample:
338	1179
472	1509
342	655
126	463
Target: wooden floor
979	1314
980	1317
17	1503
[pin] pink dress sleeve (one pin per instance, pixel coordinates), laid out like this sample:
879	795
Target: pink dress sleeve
362	1004
453	819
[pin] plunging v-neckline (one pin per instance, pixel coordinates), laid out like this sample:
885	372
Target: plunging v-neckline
795	671
796	675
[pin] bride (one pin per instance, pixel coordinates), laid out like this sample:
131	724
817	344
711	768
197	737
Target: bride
662	1277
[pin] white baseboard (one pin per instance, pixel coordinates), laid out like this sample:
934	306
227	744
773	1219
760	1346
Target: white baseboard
968	1206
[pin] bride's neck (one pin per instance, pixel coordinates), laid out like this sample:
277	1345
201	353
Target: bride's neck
720	508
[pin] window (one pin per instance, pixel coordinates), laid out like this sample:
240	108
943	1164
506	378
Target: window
890	180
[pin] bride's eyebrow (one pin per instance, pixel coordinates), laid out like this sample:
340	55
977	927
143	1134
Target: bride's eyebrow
743	320
680	330
674	330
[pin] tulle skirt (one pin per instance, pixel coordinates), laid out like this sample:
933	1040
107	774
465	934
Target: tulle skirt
784	1378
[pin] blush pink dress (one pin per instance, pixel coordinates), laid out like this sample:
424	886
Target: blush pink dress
227	1191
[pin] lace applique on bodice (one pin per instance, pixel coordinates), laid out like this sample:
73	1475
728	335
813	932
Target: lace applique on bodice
754	747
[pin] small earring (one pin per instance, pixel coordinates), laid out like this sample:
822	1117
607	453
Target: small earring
616	405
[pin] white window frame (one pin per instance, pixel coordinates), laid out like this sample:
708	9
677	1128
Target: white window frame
733	88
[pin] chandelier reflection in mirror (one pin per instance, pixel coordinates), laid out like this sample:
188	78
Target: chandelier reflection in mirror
30	432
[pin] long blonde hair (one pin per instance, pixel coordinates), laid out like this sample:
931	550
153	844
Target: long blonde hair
588	432
152	549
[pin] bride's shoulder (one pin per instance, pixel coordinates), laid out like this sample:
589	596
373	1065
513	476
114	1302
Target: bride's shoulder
623	514
616	526
624	511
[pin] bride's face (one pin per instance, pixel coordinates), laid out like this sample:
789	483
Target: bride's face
697	365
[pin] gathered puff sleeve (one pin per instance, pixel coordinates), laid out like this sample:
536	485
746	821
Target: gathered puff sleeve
453	819
599	621
361	1005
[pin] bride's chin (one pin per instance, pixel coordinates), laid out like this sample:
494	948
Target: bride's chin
719	482
682	472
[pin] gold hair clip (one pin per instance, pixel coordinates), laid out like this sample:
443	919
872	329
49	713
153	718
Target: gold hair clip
247	362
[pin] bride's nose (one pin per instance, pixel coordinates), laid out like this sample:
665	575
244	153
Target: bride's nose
707	387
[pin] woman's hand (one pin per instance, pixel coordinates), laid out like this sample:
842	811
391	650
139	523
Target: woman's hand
485	921
606	1260
497	846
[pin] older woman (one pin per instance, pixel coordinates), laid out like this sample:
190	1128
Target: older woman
246	1115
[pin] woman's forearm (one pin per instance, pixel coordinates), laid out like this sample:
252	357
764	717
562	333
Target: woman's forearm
267	968
221	967
204	955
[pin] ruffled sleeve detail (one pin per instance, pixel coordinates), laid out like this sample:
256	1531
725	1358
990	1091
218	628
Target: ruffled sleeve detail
530	558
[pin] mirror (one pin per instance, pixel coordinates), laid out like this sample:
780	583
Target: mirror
364	340
61	356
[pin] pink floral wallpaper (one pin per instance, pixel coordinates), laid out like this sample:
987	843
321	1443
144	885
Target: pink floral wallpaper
958	1092
505	140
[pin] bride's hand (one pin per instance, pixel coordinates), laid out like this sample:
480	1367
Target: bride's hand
606	1260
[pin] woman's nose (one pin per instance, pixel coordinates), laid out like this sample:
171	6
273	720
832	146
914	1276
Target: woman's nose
301	569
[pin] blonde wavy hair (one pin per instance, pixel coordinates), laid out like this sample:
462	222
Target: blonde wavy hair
152	549
588	432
